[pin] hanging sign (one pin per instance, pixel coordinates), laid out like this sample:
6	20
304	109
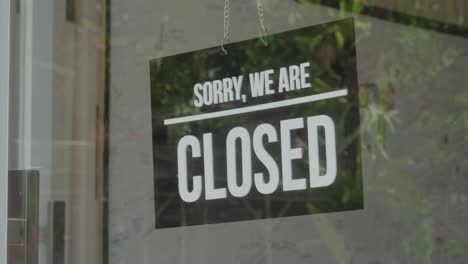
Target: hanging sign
262	132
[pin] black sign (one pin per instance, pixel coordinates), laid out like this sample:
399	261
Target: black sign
262	132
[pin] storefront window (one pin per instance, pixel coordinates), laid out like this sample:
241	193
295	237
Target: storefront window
258	131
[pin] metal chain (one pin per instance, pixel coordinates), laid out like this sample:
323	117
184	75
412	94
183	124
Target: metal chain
226	26
261	18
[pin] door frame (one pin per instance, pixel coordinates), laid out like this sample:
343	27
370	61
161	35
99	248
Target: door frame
5	31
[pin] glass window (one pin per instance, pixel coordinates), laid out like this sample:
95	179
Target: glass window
95	170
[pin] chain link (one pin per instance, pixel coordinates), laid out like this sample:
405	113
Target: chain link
261	18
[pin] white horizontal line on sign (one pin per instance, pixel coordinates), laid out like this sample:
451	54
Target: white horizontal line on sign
255	108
